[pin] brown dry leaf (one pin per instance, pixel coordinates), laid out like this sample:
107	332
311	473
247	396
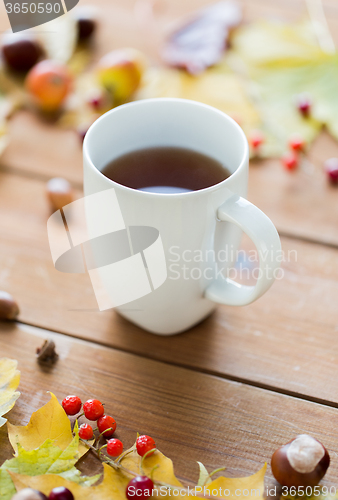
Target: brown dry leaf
49	422
200	43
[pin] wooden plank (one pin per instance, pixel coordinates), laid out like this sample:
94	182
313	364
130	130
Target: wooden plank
302	204
191	416
286	340
299	204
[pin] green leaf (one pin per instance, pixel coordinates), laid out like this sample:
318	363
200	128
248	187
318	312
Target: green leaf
281	61
47	459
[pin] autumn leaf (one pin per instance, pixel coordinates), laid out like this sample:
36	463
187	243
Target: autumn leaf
228	487
274	45
115	481
113	485
201	42
46	453
281	61
9	381
49	422
219	87
258	81
47	459
164	471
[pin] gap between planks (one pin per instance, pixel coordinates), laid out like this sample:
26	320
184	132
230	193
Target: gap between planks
223	376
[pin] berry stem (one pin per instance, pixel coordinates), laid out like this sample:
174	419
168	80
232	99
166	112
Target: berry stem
99	450
124	454
103	432
149	452
152	471
118	466
212	473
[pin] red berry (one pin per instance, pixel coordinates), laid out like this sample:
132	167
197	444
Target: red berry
60	493
93	409
297	143
256	138
145	444
304	105
331	169
81	131
96	102
72	405
114	447
290	161
139	487
86	432
104	423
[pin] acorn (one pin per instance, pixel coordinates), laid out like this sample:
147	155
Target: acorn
59	193
301	462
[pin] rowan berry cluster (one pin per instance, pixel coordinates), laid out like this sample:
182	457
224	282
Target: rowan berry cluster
93	410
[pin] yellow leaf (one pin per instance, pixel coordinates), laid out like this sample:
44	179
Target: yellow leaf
219	87
115	482
226	487
47	459
281	61
276	44
164	471
9	381
49	422
113	485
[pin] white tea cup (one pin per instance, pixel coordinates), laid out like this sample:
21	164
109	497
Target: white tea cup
193	227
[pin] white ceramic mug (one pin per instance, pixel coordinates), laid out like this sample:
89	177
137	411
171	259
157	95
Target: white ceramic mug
192	223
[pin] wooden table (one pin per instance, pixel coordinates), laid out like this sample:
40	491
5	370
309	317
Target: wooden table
227	392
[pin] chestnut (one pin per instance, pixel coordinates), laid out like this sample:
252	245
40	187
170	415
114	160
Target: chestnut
9	308
301	462
29	494
20	52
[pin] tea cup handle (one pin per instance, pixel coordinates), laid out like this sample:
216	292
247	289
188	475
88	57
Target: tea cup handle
264	235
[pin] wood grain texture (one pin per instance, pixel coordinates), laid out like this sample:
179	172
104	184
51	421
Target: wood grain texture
286	340
191	416
301	204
